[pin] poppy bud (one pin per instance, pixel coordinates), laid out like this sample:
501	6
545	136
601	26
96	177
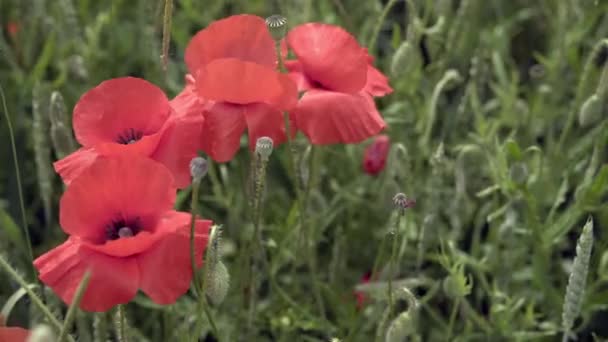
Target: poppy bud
277	25
263	147
198	168
518	173
217	278
42	333
591	110
375	155
61	135
401	327
401	58
457	284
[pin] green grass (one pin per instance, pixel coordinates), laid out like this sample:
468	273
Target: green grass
486	136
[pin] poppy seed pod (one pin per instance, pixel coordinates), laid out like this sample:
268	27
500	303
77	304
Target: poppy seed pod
277	25
198	168
263	147
401	201
591	110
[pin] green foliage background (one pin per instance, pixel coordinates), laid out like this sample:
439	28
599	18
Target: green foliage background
503	171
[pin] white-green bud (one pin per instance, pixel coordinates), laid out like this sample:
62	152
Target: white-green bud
518	173
198	168
401	59
217	282
42	333
591	110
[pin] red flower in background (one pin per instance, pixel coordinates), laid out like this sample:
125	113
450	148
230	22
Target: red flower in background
234	84
374	157
119	216
12	27
338	79
131	116
13	334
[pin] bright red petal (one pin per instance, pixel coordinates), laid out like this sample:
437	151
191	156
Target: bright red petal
72	165
116	188
235	81
113	280
264	121
179	144
377	83
297	75
126	246
188	103
222	130
13	334
330	56
329	118
117	108
171	258
244	37
375	155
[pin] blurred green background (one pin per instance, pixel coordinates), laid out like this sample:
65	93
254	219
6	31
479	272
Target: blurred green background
488	134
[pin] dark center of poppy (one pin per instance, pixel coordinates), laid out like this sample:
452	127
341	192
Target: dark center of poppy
129	136
122	228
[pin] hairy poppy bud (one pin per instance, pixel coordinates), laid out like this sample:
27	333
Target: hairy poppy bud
277	25
375	155
61	134
591	110
402	58
198	168
217	278
518	173
42	333
263	147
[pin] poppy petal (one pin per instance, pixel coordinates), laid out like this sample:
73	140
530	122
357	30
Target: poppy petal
244	37
187	102
13	334
73	164
377	82
119	108
179	145
330	56
222	130
113	188
126	246
328	117
235	81
113	280
171	256
297	75
264	121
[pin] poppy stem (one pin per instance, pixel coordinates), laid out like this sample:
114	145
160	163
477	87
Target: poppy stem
69	318
167	19
374	37
193	209
35	299
26	232
120	324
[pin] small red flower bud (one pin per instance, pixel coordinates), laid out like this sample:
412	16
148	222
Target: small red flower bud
374	158
12	27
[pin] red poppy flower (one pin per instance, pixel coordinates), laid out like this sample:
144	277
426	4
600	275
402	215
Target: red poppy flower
338	79
131	116
234	85
360	296
374	157
119	216
13	334
12	27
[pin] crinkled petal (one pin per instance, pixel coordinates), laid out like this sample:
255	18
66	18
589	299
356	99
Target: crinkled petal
235	81
187	102
13	334
117	188
113	280
377	83
171	258
328	117
179	145
222	130
264	121
244	37
118	108
297	75
73	164
330	56
126	246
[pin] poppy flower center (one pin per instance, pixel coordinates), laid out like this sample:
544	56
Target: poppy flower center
122	228
129	136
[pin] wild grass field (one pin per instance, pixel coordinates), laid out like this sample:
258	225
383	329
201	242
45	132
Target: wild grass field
474	209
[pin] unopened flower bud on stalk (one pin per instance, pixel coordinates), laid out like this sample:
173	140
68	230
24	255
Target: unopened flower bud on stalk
42	333
198	168
591	110
263	147
217	278
277	25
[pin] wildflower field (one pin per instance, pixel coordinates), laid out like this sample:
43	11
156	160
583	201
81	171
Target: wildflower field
303	170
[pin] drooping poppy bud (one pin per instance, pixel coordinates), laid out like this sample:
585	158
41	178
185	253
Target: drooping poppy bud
374	158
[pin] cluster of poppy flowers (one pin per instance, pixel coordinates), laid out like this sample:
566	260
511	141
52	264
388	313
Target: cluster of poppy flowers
137	145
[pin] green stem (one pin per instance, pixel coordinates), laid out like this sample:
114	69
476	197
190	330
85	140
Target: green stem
193	209
69	318
19	186
35	299
167	18
120	323
452	319
392	263
372	41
